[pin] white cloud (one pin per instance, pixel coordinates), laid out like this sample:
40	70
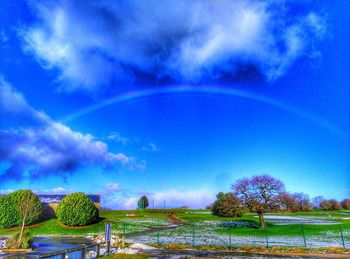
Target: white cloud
193	198
151	147
49	147
112	187
96	43
6	191
116	137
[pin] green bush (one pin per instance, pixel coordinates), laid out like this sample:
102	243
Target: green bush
76	209
19	204
227	205
8	214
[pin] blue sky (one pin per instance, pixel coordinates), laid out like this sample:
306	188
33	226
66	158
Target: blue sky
173	99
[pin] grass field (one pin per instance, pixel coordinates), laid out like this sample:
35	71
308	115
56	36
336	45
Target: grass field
202	224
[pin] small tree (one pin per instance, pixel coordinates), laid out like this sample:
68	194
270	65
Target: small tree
260	194
345	204
316	202
227	205
288	202
29	209
325	205
143	202
302	201
331	204
335	205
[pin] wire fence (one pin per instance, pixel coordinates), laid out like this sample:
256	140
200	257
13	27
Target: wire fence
81	252
228	234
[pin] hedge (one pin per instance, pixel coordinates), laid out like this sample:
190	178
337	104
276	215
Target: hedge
77	209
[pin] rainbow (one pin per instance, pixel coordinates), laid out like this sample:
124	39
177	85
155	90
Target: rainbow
216	91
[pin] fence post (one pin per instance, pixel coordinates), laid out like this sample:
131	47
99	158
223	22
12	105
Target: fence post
98	251
230	237
158	225
84	252
193	235
342	236
303	231
266	237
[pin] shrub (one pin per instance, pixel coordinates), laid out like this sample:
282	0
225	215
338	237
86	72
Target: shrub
227	205
8	214
26	240
18	205
76	209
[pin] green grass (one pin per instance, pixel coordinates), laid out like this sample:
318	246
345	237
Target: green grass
150	218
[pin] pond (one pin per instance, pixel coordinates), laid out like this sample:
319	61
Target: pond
42	245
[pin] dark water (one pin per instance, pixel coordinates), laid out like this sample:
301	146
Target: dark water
52	244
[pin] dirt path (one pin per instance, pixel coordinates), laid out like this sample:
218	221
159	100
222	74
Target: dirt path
173	219
175	223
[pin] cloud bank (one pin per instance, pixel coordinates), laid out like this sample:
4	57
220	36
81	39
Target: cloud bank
115	197
97	43
44	146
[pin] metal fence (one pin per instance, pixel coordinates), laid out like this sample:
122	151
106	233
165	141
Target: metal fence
226	234
82	252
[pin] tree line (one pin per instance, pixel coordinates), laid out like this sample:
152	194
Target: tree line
263	193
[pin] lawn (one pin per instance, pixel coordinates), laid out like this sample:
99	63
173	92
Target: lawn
200	221
119	220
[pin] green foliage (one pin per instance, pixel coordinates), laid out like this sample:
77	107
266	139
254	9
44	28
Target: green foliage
26	240
28	206
8	214
17	205
227	205
77	209
143	202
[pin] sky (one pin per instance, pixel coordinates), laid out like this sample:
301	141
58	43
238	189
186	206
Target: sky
175	100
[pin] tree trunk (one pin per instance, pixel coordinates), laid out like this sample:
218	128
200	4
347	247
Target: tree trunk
261	220
19	241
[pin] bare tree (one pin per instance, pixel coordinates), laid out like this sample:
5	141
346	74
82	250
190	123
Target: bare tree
288	202
316	202
303	201
331	204
259	194
345	204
